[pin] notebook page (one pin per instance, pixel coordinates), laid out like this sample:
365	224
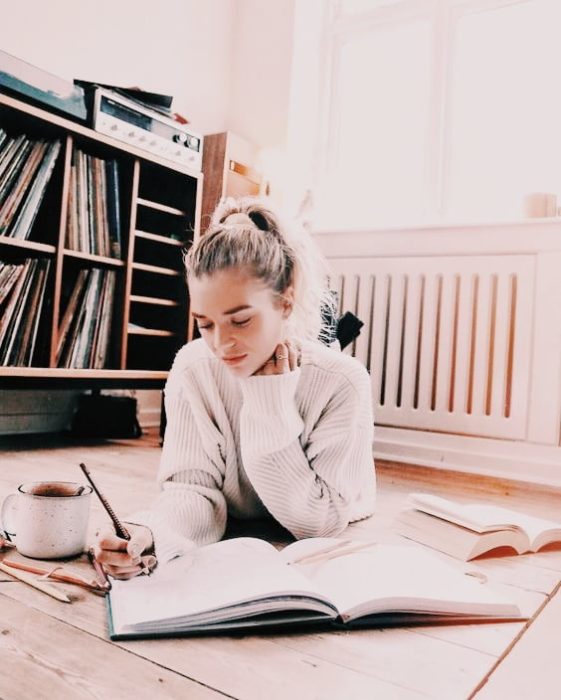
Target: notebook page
397	577
208	578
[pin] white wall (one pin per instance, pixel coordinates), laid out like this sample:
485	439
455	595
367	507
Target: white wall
178	47
261	66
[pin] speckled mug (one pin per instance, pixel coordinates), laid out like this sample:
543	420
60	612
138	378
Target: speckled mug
48	519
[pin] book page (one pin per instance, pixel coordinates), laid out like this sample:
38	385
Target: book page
402	578
209	578
458	541
480	517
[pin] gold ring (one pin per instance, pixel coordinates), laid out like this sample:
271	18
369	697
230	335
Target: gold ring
281	357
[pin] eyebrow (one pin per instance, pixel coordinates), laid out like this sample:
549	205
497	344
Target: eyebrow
235	310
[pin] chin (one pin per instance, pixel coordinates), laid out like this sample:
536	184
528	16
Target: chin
243	369
240	371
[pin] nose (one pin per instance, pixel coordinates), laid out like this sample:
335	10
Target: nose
223	340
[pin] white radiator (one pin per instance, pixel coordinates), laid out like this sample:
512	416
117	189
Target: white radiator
446	339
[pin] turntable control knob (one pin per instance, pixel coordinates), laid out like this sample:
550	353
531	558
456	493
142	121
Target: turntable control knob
180	138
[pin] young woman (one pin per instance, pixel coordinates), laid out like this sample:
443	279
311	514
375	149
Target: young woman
263	418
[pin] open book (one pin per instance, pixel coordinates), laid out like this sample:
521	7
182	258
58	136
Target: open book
468	530
246	584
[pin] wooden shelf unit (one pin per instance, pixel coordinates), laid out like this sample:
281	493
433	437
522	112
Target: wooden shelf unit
160	206
229	171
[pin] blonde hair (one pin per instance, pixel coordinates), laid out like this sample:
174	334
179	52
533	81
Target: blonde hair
247	233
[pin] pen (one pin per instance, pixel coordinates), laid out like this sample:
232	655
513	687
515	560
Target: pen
333	552
39	585
120	529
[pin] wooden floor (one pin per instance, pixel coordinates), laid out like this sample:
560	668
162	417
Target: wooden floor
55	650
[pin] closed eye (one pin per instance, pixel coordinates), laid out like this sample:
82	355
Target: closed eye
240	324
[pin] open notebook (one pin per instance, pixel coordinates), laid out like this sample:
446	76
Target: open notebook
246	584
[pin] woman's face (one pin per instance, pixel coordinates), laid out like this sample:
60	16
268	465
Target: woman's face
239	317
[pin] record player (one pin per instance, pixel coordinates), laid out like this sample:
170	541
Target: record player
35	85
127	119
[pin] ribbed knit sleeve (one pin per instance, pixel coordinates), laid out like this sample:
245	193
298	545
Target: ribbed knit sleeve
190	508
309	482
269	419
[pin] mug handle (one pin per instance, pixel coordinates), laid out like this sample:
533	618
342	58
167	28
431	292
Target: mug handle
7	509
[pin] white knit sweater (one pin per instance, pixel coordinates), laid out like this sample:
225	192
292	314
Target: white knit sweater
297	446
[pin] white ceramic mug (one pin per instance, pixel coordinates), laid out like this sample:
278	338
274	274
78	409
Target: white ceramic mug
48	519
540	204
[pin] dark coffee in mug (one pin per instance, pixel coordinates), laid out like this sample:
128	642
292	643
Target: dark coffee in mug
54	489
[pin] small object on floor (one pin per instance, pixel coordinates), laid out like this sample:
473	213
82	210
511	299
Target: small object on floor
42	586
58	574
6	544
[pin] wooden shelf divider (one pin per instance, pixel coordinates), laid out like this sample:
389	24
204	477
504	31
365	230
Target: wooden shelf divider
155	301
145	267
151	331
160	207
159	239
15	243
79	255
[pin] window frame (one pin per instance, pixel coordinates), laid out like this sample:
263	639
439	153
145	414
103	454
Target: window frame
312	146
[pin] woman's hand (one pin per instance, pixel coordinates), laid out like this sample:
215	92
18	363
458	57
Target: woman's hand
286	358
122	558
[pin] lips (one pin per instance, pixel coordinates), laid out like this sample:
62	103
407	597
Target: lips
234	359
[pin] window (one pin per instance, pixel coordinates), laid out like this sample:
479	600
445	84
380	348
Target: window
429	110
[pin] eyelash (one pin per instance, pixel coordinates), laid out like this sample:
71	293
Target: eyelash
237	324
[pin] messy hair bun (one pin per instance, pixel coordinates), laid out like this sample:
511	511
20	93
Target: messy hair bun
247	233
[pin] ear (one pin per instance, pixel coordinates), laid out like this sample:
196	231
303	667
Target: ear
287	302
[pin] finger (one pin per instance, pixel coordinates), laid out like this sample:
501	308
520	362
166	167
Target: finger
281	358
292	355
267	368
123	575
107	539
111	558
118	570
141	539
150	562
271	367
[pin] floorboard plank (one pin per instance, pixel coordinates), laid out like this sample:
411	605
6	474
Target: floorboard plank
43	657
532	669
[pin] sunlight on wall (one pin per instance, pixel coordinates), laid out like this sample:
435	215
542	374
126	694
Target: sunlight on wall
505	109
